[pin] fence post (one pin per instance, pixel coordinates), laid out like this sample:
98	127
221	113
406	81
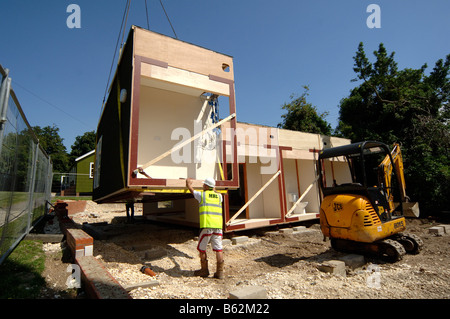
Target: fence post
31	190
5	86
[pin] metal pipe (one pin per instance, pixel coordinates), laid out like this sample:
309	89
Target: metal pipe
4	94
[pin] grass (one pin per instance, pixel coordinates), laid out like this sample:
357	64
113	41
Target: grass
21	273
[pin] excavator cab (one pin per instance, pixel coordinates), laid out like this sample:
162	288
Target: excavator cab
362	210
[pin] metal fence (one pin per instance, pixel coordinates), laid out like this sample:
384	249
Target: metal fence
25	172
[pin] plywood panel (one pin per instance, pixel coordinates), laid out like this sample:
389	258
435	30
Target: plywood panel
299	140
182	55
271	196
307	174
254	145
290	180
254	183
165	119
330	141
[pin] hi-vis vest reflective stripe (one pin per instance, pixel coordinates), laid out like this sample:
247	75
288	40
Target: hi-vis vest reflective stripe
210	208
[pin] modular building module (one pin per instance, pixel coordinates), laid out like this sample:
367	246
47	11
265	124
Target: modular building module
171	115
278	181
165	93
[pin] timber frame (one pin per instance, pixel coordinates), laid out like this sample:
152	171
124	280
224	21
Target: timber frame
149	59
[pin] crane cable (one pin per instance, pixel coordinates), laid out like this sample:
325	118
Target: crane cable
167	16
122	26
146	13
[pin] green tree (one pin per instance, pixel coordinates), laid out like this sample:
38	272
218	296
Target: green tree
82	145
53	145
302	116
411	108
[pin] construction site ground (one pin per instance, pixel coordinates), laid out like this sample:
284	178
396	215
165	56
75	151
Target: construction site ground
285	265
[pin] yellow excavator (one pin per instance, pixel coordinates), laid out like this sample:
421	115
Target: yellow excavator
364	205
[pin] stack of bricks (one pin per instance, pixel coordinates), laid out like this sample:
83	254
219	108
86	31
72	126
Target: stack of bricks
98	282
80	243
61	213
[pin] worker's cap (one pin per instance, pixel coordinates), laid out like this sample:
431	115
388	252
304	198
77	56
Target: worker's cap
210	182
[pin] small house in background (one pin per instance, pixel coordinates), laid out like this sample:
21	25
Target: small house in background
81	176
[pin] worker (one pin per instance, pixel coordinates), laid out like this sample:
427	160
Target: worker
130	211
211	224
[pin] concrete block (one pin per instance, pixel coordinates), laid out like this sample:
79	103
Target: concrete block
286	231
249	292
239	240
446	228
299	228
89	250
335	267
353	260
79	253
436	230
303	231
147	284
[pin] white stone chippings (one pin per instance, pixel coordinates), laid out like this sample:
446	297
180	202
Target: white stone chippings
285	265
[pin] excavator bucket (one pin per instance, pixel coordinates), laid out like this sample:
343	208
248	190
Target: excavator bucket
411	209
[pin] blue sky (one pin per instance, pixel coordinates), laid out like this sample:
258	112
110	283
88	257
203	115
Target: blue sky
60	74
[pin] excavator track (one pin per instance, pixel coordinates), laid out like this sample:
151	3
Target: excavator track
391	250
388	250
412	243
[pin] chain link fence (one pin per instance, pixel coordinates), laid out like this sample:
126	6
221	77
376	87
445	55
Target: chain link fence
25	172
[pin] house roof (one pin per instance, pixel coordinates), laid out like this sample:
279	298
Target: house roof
85	155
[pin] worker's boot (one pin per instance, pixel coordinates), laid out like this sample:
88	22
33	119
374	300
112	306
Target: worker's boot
219	273
203	272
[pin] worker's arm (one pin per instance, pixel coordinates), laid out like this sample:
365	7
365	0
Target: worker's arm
189	185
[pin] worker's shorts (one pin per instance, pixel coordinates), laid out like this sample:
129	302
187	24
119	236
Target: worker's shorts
213	235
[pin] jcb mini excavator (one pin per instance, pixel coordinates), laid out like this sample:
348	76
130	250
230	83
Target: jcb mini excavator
363	210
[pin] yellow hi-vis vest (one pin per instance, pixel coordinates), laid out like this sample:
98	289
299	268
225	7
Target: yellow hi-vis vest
210	208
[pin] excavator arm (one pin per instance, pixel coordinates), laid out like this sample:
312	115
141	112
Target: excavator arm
386	167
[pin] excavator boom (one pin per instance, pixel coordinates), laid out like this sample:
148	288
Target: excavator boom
410	209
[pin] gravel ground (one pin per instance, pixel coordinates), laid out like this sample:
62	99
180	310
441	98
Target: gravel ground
284	264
